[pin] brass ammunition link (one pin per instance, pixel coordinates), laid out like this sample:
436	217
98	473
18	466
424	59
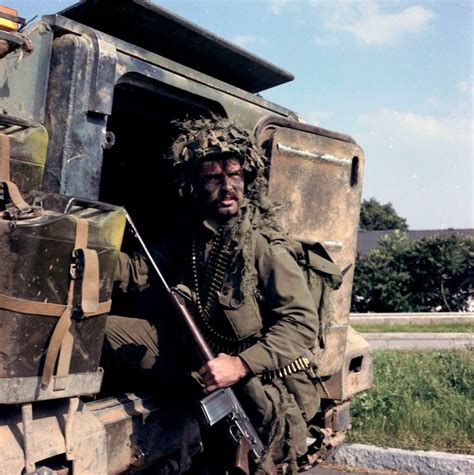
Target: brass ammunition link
300	364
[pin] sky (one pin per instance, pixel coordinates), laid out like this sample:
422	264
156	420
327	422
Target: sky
395	75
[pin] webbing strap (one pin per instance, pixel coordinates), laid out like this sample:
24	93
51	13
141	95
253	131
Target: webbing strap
13	193
61	328
15	196
4	157
90	281
46	309
62	340
66	341
64	361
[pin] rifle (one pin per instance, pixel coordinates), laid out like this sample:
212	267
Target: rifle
223	403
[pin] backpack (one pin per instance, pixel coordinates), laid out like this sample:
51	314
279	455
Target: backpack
323	277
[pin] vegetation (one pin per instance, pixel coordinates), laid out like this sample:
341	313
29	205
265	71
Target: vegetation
420	400
431	274
418	327
376	216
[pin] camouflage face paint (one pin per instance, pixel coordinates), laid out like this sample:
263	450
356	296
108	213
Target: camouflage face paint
220	188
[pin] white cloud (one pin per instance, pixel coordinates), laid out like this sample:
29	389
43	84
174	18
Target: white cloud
370	25
325	40
368	21
246	40
466	87
420	163
433	102
390	122
277	6
319	117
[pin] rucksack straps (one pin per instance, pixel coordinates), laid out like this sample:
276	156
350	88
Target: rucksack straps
314	256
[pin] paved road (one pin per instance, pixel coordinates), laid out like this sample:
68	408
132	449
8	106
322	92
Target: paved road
419	341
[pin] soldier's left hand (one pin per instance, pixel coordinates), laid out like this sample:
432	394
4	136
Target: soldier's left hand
222	371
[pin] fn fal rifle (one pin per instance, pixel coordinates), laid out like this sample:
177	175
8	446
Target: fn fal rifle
222	403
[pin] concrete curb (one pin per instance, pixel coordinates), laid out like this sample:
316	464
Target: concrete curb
419	341
407	461
409	318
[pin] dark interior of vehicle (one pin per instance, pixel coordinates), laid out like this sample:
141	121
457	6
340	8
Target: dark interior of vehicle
137	175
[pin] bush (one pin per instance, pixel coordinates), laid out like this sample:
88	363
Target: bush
431	274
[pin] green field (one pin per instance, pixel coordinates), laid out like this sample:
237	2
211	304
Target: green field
434	328
420	400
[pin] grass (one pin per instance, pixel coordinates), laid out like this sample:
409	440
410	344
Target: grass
432	328
420	400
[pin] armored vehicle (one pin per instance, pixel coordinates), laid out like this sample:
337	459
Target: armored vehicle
87	97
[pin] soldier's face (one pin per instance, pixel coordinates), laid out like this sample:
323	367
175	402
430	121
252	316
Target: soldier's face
221	188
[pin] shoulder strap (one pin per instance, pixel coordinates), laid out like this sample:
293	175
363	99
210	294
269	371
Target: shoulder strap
314	257
322	264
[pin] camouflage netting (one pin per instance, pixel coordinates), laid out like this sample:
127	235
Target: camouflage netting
200	139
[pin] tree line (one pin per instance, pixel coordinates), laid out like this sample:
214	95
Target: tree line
404	275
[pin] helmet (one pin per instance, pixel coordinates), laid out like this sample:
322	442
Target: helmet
207	139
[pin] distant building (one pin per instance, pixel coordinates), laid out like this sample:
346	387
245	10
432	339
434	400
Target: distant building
369	240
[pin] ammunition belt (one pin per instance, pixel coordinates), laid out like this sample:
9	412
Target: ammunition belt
206	300
300	364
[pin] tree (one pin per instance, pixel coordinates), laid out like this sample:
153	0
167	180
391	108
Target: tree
377	216
431	274
441	272
381	278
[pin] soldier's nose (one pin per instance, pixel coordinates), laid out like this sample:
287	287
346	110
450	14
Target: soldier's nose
227	184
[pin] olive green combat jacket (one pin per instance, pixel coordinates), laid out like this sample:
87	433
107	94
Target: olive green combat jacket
280	313
279	316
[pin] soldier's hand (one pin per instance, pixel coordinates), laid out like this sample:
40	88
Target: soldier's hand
222	371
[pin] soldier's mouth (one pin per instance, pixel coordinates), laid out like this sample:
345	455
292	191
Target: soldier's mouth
227	200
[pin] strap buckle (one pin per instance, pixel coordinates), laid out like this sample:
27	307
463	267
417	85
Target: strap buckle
76	269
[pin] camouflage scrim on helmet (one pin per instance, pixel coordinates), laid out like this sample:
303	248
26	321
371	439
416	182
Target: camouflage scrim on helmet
205	139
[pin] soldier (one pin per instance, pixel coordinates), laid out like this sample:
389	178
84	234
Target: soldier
250	297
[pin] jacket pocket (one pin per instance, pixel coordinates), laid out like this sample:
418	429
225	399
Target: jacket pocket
244	317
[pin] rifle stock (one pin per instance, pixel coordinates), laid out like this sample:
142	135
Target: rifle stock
242	455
